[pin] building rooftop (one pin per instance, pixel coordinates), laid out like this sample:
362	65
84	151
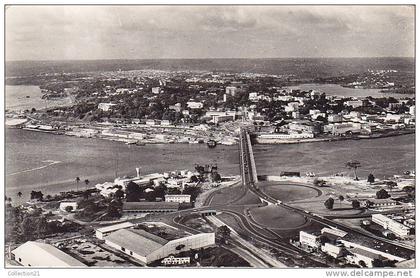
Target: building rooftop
138	241
46	255
149	205
366	253
115	227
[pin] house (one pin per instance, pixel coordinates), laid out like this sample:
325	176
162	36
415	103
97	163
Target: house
100	233
194	105
147	247
138	208
37	254
106	106
178	198
156	90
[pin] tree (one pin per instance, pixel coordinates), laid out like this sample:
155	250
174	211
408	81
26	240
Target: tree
391	185
194	179
132	192
223	233
87	183
353	164
19	194
68	208
371	178
340	198
119	194
150	196
37	195
216	177
77	183
382	194
362	263
355	204
329	203
319	183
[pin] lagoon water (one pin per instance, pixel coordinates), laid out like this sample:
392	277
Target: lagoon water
41	161
21	97
340	91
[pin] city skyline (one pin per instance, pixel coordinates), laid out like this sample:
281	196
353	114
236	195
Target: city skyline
178	32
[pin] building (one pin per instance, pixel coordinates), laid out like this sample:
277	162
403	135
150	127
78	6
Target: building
380	203
104	231
171	260
387	223
156	90
231	90
342	128
332	250
138	208
309	240
194	104
64	205
363	257
354	103
286	136
412	110
178	198
106	106
147	247
37	254
335	232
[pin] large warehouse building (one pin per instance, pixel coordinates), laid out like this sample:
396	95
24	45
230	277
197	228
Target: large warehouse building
37	254
147	247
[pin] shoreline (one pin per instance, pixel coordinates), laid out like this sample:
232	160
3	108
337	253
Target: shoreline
258	141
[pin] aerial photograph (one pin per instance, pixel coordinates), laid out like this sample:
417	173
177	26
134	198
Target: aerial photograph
209	136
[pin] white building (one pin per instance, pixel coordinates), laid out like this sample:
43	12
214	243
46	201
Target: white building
335	232
231	90
171	260
147	247
37	254
100	233
387	223
178	198
354	103
156	90
332	250
310	240
194	104
106	106
412	110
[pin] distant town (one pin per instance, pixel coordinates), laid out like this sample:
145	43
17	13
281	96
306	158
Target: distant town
149	106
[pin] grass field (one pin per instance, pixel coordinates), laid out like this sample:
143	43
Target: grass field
277	217
287	192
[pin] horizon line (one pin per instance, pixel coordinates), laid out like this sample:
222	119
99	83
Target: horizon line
207	58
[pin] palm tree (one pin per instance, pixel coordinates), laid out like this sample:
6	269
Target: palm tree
19	194
340	198
353	164
77	182
87	183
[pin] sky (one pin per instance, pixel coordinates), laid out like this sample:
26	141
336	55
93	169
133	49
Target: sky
150	32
